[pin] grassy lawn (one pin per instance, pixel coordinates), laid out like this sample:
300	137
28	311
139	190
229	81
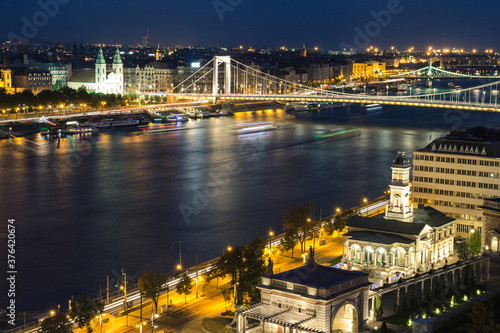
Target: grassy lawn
400	318
216	325
335	261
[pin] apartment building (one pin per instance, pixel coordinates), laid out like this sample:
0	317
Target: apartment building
454	174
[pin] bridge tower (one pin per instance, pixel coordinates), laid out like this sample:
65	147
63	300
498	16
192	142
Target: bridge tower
227	75
429	74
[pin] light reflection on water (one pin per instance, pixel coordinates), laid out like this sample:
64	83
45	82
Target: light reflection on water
117	202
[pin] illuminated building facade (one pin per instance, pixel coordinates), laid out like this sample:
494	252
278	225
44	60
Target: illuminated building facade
455	173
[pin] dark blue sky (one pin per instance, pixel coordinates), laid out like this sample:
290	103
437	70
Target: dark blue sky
258	23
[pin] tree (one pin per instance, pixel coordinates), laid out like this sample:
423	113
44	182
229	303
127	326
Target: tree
475	243
205	283
289	241
57	323
463	250
226	293
152	285
245	266
314	229
296	218
339	223
482	319
83	310
379	311
184	286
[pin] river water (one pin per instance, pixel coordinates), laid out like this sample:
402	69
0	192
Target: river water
87	206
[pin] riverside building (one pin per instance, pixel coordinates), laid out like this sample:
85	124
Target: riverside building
403	240
454	174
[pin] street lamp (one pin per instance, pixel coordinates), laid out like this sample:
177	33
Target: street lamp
124	285
271	233
179	267
100	320
153	315
197	278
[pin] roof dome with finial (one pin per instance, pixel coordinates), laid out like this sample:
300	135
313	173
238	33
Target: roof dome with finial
401	160
100	57
118	59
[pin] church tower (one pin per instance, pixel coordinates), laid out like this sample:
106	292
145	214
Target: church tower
100	73
118	69
6	74
400	207
158	55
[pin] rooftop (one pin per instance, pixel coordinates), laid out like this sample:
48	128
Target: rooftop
318	276
473	141
378	237
379	223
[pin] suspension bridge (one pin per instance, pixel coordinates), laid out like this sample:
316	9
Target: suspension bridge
224	78
430	73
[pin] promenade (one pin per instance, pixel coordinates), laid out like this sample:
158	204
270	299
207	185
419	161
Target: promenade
187	317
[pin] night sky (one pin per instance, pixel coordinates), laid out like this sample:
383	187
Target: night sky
258	23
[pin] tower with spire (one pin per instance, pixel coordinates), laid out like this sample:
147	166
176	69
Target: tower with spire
6	74
100	72
118	69
400	207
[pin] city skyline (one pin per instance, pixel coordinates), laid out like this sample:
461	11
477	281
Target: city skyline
328	26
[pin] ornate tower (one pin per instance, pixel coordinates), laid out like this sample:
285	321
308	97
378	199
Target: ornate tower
118	69
400	207
6	74
100	72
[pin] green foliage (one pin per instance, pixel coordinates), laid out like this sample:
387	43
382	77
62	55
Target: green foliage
83	310
341	219
226	294
289	241
463	250
152	285
338	222
379	311
314	228
57	323
185	286
205	283
244	265
475	243
296	219
482	319
61	95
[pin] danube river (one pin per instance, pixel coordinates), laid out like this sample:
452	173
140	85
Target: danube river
84	207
